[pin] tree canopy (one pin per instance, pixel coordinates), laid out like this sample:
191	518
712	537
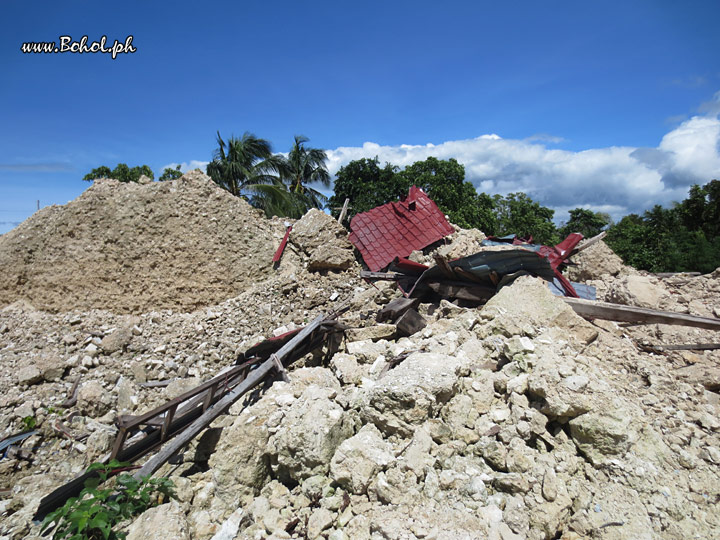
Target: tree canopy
585	222
518	214
679	239
367	185
170	174
302	167
121	172
247	167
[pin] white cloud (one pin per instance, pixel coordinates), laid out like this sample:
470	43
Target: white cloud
186	166
618	180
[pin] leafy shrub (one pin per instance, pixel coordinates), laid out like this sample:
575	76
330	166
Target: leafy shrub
94	514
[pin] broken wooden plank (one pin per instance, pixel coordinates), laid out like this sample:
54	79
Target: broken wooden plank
394	309
253	378
410	323
156	384
673	274
388	276
591	241
444	267
343	211
72	397
687	347
615	312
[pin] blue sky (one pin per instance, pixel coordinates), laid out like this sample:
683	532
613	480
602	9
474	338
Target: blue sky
607	105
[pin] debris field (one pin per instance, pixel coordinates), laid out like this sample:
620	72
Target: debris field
440	397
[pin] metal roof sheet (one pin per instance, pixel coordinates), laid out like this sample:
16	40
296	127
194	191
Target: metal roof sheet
397	229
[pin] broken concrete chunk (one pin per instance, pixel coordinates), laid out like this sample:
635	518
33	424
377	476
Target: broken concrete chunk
359	458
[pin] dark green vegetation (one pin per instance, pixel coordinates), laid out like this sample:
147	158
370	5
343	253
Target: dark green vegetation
122	172
247	168
97	511
683	238
171	174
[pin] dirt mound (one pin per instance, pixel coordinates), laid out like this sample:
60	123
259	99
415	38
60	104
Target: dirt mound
131	248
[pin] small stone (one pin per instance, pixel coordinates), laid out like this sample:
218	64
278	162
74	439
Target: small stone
29	375
320	519
576	383
549	486
511	483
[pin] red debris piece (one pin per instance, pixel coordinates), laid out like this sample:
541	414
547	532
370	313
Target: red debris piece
557	254
397	229
281	248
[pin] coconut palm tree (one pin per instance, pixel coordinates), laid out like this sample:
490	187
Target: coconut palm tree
247	167
302	167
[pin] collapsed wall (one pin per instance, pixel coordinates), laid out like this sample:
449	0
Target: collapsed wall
129	247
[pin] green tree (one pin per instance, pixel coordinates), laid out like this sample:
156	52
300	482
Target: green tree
121	172
444	181
247	167
302	167
170	174
99	172
519	214
367	185
667	240
585	222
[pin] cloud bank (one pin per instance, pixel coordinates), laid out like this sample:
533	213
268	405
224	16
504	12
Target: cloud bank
618	179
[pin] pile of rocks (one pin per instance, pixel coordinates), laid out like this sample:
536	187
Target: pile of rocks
515	420
134	248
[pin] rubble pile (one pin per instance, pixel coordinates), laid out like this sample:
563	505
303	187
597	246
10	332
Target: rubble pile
517	419
132	248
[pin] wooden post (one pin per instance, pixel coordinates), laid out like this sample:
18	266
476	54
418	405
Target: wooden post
343	211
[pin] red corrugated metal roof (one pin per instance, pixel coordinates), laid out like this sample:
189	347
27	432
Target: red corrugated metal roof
397	229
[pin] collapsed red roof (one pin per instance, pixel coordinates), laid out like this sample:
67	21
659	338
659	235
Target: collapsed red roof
397	229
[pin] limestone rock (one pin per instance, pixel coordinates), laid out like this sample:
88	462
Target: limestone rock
118	340
317	229
159	523
308	435
347	369
596	262
239	464
637	290
331	258
408	394
358	459
29	375
373	333
528	305
603	433
93	399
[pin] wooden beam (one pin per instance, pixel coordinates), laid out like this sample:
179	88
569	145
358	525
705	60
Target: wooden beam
673	274
388	276
616	312
254	377
588	243
687	347
343	211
